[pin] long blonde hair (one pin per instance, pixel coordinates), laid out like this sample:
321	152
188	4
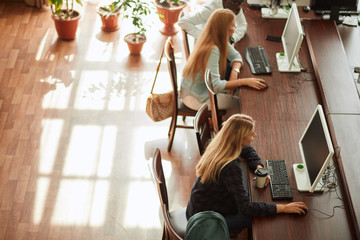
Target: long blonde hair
214	33
224	148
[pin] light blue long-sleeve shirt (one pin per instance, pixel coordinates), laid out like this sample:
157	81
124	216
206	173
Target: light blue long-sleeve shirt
198	88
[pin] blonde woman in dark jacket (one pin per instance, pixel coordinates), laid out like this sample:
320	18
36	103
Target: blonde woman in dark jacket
219	187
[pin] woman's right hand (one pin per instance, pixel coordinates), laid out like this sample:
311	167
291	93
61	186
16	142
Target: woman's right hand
256	83
294	207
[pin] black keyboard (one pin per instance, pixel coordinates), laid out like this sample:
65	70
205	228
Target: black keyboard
279	179
258	60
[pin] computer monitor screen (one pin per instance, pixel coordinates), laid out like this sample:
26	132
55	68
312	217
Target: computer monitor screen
316	152
291	38
349	5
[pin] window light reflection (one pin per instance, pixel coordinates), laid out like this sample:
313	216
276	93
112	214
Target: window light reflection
99	203
140	211
77	205
107	149
99	51
83	152
41	48
92	90
42	190
50	137
58	97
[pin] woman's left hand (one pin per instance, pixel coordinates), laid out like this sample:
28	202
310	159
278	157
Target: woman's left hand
267	181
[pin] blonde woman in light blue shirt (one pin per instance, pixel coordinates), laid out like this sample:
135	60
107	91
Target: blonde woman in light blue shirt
211	51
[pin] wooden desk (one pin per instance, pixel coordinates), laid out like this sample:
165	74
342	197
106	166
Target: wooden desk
334	68
281	114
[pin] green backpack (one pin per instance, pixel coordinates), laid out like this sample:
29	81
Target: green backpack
207	225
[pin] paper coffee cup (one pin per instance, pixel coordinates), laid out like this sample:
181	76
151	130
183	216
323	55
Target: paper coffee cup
261	174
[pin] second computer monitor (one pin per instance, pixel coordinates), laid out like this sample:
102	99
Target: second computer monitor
316	151
291	38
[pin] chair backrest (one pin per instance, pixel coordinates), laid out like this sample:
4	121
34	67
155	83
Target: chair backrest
185	39
175	224
170	56
159	178
186	43
216	118
169	224
202	128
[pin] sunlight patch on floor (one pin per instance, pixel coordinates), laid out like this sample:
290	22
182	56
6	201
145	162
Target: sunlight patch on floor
50	138
59	95
92	90
81	202
99	51
141	209
42	190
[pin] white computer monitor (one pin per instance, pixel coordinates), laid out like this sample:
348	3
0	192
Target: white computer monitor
316	151
291	38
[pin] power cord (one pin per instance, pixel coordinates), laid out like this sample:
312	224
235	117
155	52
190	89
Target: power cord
330	182
326	214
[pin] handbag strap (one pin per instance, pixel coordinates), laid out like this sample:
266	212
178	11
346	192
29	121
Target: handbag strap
157	70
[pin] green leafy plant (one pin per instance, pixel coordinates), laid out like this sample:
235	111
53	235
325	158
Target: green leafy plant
68	12
136	10
110	9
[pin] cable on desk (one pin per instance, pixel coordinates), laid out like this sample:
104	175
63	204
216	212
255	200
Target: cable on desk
326	214
329	181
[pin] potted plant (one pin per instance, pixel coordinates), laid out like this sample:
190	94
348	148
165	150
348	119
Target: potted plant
169	11
136	10
66	20
110	14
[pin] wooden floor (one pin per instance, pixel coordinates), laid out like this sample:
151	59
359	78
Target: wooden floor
75	141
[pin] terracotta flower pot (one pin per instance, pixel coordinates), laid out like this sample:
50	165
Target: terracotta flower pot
110	23
135	43
66	28
169	16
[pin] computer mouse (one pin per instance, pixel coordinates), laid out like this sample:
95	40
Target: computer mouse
306	9
266	85
305	210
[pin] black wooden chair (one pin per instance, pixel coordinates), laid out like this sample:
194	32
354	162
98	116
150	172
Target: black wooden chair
174	221
185	40
216	114
186	43
179	107
202	128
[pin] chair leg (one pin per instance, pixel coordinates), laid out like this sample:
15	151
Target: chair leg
164	235
172	133
171	125
184	117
